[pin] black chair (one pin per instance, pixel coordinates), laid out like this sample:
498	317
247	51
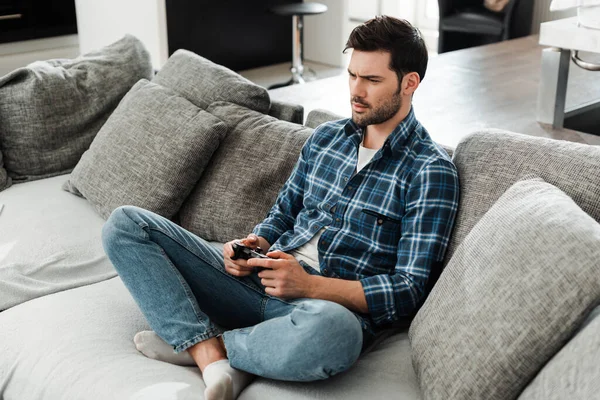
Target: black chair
467	23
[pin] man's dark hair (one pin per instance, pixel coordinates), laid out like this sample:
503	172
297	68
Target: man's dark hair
396	36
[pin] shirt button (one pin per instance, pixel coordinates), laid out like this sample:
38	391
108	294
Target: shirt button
349	188
315	228
337	220
346	179
380	221
326	271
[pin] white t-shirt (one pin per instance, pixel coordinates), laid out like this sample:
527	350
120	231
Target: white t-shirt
308	252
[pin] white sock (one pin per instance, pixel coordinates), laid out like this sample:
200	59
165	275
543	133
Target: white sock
152	346
224	382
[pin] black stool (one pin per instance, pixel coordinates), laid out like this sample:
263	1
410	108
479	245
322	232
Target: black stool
297	11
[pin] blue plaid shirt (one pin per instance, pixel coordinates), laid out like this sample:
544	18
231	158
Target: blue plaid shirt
386	226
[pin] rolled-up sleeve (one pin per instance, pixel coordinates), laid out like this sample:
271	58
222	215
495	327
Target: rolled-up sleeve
431	205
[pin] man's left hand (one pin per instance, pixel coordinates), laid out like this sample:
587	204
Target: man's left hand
286	278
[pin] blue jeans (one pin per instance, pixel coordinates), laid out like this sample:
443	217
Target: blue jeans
180	284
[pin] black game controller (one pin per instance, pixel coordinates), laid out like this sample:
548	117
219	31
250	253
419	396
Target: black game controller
240	251
245	252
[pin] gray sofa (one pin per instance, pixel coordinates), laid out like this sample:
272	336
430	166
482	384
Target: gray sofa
513	314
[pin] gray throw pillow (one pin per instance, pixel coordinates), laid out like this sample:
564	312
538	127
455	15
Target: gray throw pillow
149	154
574	372
50	111
202	82
244	177
516	289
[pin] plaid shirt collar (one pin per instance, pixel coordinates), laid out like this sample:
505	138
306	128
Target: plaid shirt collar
395	143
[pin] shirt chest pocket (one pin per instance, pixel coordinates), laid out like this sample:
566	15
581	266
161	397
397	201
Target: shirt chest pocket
384	226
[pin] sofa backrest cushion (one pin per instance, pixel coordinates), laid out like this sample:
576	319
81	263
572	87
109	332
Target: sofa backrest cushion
516	289
150	153
574	372
490	161
203	82
50	111
244	176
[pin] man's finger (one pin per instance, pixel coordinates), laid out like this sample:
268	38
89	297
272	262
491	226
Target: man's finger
268	282
267	274
250	241
278	254
237	266
263	262
227	250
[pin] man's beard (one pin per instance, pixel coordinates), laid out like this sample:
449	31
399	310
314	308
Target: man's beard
374	116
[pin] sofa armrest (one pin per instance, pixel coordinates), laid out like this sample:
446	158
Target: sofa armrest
287	111
318	116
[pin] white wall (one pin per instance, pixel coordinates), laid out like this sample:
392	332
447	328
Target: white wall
100	23
325	34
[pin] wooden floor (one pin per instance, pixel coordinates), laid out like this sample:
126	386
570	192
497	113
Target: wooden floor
494	86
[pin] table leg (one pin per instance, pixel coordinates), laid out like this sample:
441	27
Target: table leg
552	91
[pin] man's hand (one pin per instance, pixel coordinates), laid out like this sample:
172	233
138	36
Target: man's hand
239	267
286	278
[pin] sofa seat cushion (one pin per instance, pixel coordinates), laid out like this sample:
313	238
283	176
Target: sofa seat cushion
50	111
86	352
203	82
150	153
49	241
512	295
244	176
490	161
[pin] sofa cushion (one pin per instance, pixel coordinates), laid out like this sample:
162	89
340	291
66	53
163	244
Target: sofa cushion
245	175
49	241
150	153
86	352
513	293
574	372
202	82
490	161
50	111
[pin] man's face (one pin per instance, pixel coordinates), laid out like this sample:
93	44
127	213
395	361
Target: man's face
374	88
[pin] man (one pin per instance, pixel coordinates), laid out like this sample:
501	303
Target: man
352	238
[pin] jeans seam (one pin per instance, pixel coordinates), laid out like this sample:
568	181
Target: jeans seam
142	225
196	339
188	294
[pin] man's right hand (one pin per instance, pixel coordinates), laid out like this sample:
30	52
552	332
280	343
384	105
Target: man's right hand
239	267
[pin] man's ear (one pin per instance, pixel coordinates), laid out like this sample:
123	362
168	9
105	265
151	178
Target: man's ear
410	83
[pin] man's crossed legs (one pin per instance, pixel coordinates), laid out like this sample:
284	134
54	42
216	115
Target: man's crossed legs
180	284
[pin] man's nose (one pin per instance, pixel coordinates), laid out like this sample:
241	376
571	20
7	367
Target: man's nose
357	88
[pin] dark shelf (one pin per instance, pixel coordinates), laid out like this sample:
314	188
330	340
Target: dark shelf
35	19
